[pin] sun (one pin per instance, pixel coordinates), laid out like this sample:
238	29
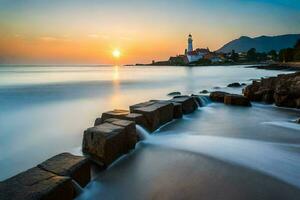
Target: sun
116	53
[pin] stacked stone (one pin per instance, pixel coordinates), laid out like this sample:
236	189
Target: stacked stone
113	135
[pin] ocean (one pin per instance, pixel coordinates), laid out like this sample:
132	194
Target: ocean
45	109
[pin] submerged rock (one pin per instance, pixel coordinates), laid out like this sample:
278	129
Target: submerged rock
66	164
204	92
104	143
174	93
236	100
37	183
218	96
283	90
236	84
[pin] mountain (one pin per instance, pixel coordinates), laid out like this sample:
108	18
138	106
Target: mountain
261	44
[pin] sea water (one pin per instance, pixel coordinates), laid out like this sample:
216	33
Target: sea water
45	109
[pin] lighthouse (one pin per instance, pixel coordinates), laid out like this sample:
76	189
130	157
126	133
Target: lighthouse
190	43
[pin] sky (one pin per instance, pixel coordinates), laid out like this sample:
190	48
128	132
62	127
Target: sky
87	32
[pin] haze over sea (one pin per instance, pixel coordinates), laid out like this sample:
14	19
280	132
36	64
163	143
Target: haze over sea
45	109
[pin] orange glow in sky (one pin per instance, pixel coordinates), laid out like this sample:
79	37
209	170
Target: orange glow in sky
79	32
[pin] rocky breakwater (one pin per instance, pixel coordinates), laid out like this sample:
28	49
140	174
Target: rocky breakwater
54	179
283	90
113	135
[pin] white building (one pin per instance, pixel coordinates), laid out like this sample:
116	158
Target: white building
194	55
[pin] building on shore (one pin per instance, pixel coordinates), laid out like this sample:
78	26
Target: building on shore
194	56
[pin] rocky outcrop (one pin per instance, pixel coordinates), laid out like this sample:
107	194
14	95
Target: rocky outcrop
218	96
66	164
37	183
189	104
155	113
236	100
104	143
283	90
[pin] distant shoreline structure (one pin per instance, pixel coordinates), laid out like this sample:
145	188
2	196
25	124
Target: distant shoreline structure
258	50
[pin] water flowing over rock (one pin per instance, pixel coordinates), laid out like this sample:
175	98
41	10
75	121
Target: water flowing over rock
37	183
283	90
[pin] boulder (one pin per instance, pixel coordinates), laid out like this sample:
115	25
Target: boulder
218	96
104	143
174	93
236	100
37	183
234	85
130	131
189	104
298	121
66	164
155	113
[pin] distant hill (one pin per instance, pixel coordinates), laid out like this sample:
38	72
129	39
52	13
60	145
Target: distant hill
261	44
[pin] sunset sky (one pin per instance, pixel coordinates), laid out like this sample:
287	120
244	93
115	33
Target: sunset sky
79	31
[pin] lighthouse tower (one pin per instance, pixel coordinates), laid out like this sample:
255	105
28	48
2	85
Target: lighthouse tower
190	43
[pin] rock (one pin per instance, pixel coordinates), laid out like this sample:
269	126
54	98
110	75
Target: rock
218	96
156	113
243	84
130	131
122	114
189	104
217	87
234	85
104	143
177	112
66	164
36	183
204	92
283	90
174	93
298	121
236	100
